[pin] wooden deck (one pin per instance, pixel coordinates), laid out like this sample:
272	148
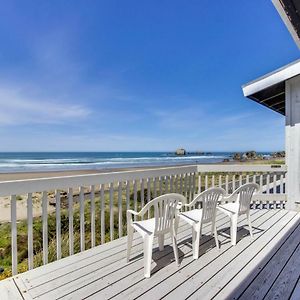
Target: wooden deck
266	267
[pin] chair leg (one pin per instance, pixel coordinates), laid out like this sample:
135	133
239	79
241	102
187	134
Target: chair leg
176	223
175	248
148	244
216	235
196	241
250	225
233	229
161	242
129	241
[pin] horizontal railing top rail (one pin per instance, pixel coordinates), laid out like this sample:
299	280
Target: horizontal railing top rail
64	182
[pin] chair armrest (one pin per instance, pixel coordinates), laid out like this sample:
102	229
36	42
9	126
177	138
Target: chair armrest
132	212
179	206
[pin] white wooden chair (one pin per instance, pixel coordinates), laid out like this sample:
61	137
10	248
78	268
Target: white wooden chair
239	204
165	211
207	214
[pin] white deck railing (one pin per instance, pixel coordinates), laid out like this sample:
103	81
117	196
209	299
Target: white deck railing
93	207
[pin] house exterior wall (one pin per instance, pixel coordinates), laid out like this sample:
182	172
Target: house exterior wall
292	142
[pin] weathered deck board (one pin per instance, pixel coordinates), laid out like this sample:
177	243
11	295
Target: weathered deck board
287	279
269	263
261	271
243	256
9	290
272	257
296	292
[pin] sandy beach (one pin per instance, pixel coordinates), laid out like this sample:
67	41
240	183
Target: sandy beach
47	174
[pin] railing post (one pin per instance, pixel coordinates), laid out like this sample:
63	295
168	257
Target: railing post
71	226
45	226
30	231
82	227
14	251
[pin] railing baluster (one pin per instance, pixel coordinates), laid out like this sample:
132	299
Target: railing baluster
206	182
127	194
166	184
111	210
143	192
120	209
45	226
185	186
93	234
275	188
58	224
261	189
171	184
199	183
193	185
261	182
275	183
148	189
82	227
190	187
240	180
268	183
160	185
181	183
175	183
220	181
255	203
254	178
226	183
281	184
233	183
71	228
213	180
102	216
30	231
14	248
135	196
148	193
282	203
155	187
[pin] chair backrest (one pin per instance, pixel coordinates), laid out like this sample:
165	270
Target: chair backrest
209	199
165	207
244	196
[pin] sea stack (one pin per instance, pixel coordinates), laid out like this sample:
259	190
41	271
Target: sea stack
180	151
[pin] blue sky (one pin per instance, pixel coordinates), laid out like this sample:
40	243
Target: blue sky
138	75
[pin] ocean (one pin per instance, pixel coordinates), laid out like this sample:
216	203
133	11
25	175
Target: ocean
60	161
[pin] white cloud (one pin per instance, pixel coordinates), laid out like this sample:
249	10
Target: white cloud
17	108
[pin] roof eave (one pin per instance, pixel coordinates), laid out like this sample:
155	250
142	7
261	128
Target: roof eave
287	21
272	78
